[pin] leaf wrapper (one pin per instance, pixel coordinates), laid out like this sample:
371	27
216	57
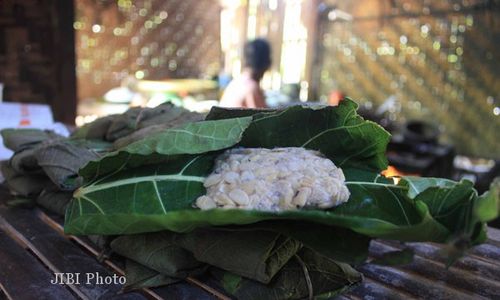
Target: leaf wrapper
25	162
18	139
96	130
54	201
337	243
125	194
61	160
193	138
139	276
326	277
158	251
162	125
26	185
258	255
126	128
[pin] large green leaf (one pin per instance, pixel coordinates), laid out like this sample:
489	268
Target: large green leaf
153	198
449	202
374	209
338	132
147	190
193	138
456	205
125	183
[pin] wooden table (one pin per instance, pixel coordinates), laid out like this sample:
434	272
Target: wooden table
33	247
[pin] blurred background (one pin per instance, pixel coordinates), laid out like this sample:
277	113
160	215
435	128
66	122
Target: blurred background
425	70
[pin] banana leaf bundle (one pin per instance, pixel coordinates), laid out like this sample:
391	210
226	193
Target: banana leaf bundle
243	261
135	124
150	185
44	167
144	192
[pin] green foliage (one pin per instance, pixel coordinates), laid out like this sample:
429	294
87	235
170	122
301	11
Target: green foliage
158	252
126	194
138	276
148	188
306	274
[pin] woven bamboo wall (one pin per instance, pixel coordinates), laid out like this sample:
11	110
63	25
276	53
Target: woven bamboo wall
149	39
439	58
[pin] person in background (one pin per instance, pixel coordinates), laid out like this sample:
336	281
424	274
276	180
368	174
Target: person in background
245	90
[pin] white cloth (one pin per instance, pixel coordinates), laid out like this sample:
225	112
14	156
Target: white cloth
23	115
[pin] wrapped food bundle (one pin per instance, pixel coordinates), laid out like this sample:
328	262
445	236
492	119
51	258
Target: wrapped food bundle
45	165
274	204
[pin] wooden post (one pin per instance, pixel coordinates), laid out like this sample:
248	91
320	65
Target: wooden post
314	38
64	104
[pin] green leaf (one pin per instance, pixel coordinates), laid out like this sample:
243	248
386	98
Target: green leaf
130	199
139	276
159	124
158	252
255	254
360	175
150	192
220	113
457	207
450	203
231	282
336	243
376	210
26	185
193	138
323	274
338	132
24	161
61	160
488	205
164	188
160	198
54	201
417	185
17	139
123	128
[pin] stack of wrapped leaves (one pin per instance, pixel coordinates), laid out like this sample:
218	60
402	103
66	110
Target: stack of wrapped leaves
142	192
44	167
